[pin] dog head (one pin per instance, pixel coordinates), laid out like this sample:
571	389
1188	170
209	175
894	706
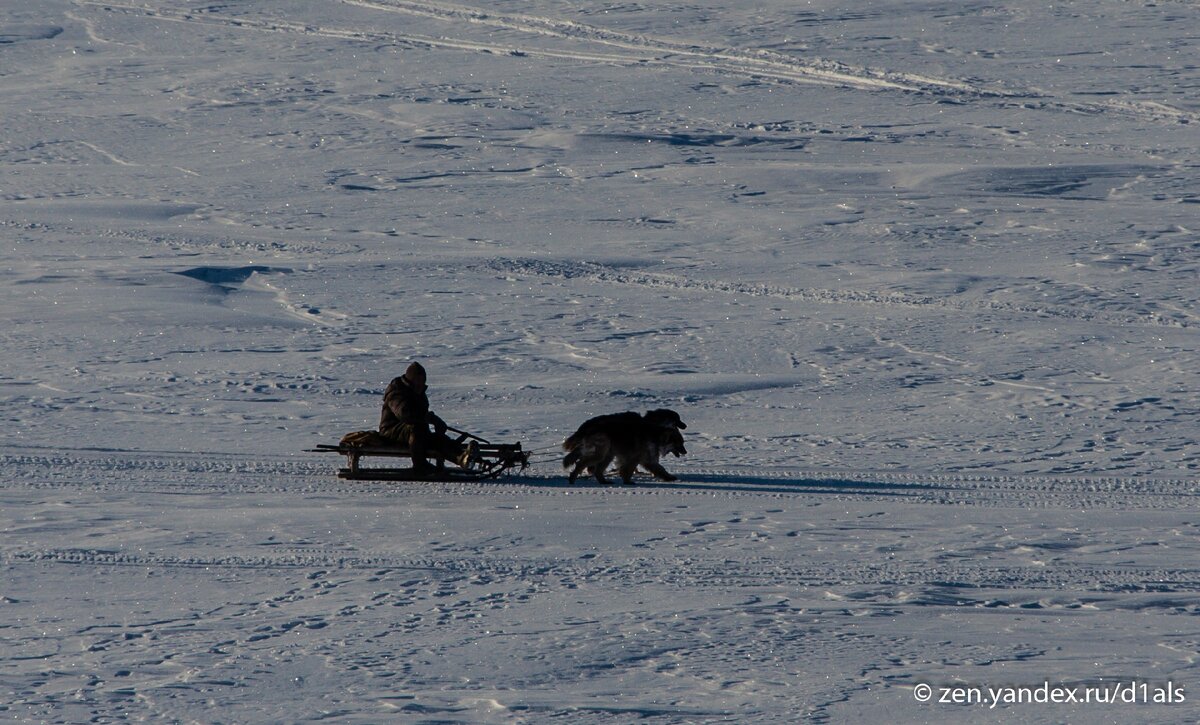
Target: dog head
665	418
671	441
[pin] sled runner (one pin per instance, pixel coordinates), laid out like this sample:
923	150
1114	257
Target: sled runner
491	460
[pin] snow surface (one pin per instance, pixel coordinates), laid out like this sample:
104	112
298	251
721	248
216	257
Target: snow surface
920	276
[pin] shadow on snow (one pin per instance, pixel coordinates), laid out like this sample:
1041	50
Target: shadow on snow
738	483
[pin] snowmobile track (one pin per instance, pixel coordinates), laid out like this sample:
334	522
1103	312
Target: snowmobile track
216	473
958	584
602	274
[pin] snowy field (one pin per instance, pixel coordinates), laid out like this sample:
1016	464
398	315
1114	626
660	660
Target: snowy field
921	277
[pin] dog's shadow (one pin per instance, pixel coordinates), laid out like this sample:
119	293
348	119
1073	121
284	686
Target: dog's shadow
711	482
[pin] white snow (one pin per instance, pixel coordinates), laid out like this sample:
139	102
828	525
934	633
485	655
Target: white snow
921	278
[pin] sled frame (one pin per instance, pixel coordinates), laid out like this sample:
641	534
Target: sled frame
494	459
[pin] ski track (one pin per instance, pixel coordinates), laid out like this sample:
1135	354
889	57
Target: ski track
631	49
600	273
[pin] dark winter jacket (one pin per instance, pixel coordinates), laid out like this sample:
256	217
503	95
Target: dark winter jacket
405	405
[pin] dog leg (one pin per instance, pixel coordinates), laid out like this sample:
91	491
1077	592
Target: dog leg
600	468
626	472
659	472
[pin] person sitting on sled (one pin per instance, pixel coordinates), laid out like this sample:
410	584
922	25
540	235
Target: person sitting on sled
406	419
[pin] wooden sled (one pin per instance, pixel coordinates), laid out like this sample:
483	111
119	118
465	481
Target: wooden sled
492	460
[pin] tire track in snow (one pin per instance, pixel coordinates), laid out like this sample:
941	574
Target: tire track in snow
645	53
666	52
763	63
942	583
641	50
212	17
589	271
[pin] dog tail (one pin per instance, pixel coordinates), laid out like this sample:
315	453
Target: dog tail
572	458
572	442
